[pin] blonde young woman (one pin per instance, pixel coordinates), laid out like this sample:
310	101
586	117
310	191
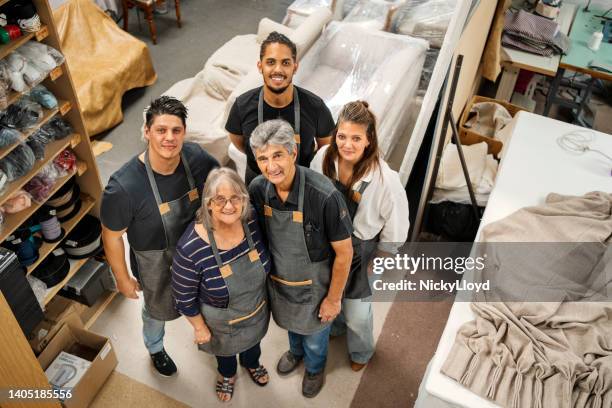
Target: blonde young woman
378	206
219	280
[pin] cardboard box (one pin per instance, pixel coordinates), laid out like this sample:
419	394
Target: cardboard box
469	137
88	346
60	310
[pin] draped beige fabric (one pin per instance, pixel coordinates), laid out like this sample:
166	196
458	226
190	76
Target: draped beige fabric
553	354
104	61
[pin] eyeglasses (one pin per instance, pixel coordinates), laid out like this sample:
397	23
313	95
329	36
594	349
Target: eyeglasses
220	201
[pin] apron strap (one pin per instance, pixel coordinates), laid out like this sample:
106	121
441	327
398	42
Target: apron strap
296	115
357	194
151	177
213	245
301	191
247	234
215	249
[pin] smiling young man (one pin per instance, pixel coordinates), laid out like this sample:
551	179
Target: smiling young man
278	98
152	198
308	229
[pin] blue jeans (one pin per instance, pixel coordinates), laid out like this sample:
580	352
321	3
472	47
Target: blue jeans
152	332
312	347
357	321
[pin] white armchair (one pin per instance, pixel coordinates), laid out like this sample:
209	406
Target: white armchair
206	95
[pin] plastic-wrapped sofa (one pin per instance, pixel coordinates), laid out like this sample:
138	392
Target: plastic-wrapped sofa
206	94
104	61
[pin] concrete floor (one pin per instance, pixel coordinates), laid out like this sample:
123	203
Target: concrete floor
179	54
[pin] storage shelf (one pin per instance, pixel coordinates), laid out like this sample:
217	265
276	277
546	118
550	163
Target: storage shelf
51	151
46	248
13	221
75	265
40	35
14	96
47	116
91	314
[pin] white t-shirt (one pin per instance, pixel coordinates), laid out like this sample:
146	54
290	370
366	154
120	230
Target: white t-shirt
383	207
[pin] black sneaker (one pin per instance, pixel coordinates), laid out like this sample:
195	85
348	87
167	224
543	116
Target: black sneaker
163	363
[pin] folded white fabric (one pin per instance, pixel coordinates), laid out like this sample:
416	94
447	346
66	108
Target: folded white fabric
450	175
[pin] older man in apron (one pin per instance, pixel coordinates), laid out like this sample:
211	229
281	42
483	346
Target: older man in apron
152	198
308	228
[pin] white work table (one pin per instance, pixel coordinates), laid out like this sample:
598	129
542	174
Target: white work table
533	166
514	60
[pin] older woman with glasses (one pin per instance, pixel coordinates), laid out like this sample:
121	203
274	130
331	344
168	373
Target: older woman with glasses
219	280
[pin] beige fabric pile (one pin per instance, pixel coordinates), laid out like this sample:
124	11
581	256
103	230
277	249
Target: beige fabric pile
556	353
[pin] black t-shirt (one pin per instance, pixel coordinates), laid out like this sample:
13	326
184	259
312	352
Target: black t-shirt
128	200
326	217
315	121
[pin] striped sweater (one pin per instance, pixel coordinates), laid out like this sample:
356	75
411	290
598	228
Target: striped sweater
196	278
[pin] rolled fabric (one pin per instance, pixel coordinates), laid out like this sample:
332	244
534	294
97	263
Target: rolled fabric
54	268
43	96
66	160
8	136
22	243
18	162
85	239
40	187
5	38
13	31
19	200
51	228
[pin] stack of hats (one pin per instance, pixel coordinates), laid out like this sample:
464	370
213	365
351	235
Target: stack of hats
85	239
66	201
54	268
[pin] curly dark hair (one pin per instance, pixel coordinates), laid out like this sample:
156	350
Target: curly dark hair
165	105
276	37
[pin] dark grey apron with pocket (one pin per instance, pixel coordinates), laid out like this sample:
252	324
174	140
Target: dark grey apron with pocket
245	321
357	286
298	286
154	266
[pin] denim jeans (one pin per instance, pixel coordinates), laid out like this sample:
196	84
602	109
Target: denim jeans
357	321
227	366
152	332
312	347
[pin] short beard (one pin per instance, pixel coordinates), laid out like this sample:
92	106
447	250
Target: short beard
277	91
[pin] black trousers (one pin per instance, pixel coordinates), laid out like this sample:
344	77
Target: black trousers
227	366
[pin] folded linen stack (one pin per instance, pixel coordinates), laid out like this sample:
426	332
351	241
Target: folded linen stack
450	182
534	34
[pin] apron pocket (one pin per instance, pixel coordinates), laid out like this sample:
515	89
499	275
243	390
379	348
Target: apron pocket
251	319
299	292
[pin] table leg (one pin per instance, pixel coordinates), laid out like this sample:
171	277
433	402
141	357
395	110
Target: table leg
507	83
552	90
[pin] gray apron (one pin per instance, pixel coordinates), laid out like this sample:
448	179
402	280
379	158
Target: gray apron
154	266
298	286
244	322
296	117
357	286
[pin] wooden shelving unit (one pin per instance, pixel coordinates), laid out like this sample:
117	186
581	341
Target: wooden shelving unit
19	364
46	248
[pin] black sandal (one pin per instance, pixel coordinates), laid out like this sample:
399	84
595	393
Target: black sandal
225	387
258	373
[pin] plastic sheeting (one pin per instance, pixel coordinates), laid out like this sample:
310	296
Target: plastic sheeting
426	19
299	10
374	14
350	62
104	61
